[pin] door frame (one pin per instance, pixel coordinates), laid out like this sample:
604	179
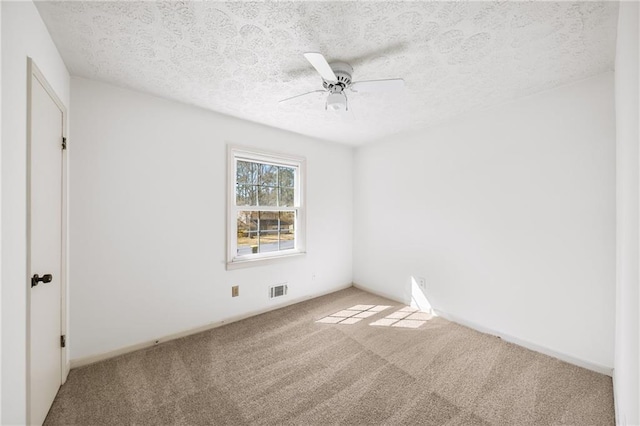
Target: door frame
34	72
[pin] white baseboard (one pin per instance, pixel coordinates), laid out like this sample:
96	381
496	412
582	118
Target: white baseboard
80	362
529	345
506	337
75	363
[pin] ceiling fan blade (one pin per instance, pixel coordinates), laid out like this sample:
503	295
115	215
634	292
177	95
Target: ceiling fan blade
377	85
321	65
297	96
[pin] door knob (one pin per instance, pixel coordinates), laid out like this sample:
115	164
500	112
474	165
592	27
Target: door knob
46	278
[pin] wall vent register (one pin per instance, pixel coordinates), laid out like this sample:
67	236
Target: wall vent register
278	291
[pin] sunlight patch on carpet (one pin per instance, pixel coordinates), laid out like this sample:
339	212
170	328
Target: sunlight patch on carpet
405	323
353	314
384	321
399	315
407	317
330	320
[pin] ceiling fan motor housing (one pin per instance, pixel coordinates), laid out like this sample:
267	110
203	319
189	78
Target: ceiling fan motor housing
343	72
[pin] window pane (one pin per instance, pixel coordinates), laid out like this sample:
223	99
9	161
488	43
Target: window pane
286	176
267	196
246	195
286	197
269	226
246	172
247	232
287	231
263	232
268	241
268	175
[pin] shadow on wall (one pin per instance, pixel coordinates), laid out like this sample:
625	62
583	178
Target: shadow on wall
419	298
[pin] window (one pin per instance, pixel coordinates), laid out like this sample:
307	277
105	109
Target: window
266	206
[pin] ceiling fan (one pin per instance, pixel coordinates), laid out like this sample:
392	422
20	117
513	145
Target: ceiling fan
336	79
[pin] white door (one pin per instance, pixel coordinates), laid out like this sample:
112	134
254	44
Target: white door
45	354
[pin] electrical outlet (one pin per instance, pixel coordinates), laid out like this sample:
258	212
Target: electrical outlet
235	291
422	283
313	276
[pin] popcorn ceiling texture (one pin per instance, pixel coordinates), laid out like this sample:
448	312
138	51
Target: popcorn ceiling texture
240	58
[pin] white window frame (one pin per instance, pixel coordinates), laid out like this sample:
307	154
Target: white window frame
235	153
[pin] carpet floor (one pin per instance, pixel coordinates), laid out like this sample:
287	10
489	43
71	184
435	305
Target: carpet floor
321	363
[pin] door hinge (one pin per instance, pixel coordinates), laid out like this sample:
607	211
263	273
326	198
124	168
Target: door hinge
64	143
63	341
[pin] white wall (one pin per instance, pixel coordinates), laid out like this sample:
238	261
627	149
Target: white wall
508	213
148	215
627	355
23	34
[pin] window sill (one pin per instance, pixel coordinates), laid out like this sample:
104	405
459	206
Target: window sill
263	261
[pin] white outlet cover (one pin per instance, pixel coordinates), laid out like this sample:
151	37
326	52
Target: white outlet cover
422	283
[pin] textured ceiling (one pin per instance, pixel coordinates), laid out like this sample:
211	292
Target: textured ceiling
241	58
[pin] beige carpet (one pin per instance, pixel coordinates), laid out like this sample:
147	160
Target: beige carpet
284	367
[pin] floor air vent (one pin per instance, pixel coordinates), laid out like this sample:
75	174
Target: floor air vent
277	291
